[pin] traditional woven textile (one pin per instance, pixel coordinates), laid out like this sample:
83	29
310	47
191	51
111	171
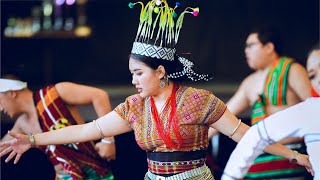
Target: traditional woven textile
276	83
196	110
158	34
80	160
174	167
159	29
274	90
258	111
201	173
153	51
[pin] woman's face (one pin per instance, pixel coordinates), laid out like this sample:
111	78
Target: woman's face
313	67
145	79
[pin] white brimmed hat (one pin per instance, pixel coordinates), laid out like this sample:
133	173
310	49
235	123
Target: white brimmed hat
10	84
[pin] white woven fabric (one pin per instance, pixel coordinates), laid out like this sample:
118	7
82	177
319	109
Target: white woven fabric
9	84
153	51
200	173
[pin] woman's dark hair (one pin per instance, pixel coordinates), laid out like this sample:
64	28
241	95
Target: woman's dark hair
314	48
169	66
267	34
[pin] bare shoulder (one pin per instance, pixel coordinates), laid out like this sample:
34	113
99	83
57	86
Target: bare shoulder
252	85
70	86
298	75
297	69
62	85
65	89
252	80
298	82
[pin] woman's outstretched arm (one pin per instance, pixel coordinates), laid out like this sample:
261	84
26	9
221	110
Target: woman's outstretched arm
108	125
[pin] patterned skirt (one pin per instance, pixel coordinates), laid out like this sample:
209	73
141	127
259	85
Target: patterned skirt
201	173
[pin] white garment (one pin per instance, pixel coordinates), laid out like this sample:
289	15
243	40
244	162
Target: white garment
301	120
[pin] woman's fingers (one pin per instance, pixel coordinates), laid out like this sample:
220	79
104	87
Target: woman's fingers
4	143
18	156
16	146
308	165
5	151
15	135
11	155
310	170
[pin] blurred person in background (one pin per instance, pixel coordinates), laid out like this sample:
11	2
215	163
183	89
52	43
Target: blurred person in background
301	120
277	83
54	107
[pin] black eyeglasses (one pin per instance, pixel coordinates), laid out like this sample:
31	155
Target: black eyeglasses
249	45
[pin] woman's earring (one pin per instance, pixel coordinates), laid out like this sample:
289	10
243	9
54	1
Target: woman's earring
162	84
163	81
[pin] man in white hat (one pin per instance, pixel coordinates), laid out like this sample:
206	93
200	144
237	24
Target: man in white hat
54	107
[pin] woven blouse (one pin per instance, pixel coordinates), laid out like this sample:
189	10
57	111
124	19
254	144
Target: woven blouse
196	110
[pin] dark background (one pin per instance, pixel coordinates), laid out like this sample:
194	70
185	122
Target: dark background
216	39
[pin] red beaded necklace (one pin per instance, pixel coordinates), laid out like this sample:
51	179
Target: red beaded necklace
314	93
172	122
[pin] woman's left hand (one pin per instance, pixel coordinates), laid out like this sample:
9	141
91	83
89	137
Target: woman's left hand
16	146
303	160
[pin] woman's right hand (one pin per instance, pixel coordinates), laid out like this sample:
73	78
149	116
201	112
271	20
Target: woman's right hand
17	146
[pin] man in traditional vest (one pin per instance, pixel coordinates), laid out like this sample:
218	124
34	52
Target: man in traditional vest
286	123
54	107
277	83
300	120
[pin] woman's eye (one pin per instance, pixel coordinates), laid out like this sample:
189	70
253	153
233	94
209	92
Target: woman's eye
311	76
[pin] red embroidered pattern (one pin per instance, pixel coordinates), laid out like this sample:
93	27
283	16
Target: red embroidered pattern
174	167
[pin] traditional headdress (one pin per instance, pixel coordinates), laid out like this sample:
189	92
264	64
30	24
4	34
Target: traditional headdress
158	34
9	84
